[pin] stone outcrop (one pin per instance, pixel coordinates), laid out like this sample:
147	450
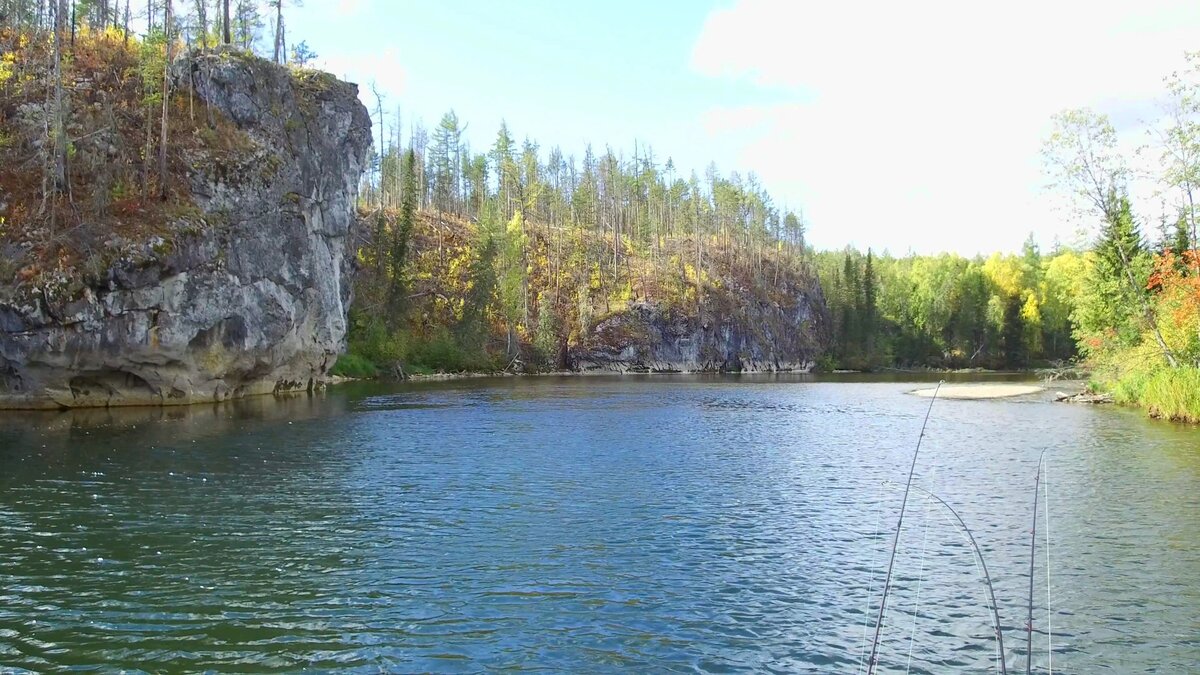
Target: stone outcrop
247	295
749	335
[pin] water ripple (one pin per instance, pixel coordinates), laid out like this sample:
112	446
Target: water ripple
657	524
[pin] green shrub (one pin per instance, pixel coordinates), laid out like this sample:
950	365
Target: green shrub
1162	391
373	341
826	363
1173	394
442	352
354	365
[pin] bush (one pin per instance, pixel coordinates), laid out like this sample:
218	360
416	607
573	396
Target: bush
372	340
1163	392
826	363
442	352
354	365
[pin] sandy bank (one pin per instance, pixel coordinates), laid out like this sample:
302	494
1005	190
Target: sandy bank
980	391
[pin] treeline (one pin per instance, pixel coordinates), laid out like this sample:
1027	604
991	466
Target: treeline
1137	313
641	197
485	259
948	311
197	23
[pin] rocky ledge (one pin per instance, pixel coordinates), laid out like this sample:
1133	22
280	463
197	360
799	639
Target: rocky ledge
250	297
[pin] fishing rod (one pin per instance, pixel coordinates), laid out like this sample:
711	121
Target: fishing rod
887	579
1032	553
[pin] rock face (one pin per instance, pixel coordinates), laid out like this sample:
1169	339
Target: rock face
250	300
750	336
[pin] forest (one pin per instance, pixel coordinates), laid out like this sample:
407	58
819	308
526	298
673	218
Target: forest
479	260
495	258
1003	311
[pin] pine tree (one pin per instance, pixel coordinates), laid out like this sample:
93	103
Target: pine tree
870	306
444	157
1013	335
1182	240
400	235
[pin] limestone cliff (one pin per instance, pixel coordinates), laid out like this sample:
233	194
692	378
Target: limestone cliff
245	293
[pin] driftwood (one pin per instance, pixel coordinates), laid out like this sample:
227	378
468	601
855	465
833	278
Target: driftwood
1083	397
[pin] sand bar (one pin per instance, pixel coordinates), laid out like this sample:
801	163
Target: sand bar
979	391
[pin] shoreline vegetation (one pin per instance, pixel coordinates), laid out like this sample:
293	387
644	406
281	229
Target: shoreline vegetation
1044	375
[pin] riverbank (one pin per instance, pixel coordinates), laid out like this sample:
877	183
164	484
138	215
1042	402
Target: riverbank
364	371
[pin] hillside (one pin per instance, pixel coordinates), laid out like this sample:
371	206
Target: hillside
528	296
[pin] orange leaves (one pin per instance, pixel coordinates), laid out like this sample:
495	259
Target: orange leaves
1171	271
1176	286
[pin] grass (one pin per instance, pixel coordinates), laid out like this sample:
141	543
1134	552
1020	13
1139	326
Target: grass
375	350
1174	395
1163	392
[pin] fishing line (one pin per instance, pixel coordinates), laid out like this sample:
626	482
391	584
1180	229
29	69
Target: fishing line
981	567
912	637
921	575
1032	555
887	580
874	572
1049	627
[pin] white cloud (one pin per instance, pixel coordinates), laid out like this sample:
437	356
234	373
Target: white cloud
918	124
383	68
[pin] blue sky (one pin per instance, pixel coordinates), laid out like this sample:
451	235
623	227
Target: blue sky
902	126
562	73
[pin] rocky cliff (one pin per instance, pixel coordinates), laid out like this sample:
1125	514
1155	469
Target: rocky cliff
751	337
245	292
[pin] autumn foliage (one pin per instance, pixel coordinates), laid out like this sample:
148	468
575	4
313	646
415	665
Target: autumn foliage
112	111
1176	293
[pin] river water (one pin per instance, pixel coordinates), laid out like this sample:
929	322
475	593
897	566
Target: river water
651	524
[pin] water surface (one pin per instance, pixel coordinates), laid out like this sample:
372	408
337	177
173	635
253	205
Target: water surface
592	524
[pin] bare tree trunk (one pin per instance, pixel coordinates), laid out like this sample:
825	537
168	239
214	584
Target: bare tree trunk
60	113
202	17
278	31
1192	221
382	135
227	34
166	99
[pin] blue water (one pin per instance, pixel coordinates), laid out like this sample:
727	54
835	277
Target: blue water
649	524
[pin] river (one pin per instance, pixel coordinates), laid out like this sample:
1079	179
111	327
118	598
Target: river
660	523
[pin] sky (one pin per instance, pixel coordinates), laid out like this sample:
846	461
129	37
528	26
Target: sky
906	127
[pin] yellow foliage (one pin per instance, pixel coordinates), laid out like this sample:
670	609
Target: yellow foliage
7	61
1031	311
1004	272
